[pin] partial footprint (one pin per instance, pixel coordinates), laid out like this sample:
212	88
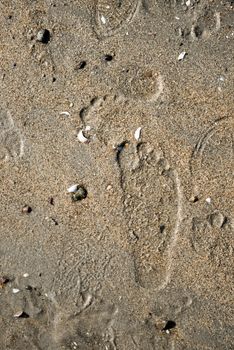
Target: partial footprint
212	162
212	167
139	83
153	212
112	15
11	141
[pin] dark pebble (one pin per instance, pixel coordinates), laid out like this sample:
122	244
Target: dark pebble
81	193
43	36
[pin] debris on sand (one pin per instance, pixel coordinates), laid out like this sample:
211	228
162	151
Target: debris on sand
3	281
43	36
26	209
15	290
182	55
81	137
21	314
137	133
72	188
65	113
79	194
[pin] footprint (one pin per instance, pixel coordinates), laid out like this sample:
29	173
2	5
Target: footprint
11	141
152	202
212	172
112	15
142	84
212	162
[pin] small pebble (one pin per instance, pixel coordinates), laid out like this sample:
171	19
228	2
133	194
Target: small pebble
208	200
43	36
26	209
3	280
80	194
81	65
25	275
108	58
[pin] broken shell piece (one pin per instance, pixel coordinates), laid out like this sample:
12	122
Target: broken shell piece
72	189
25	275
87	128
182	55
15	290
81	137
21	313
103	20
208	200
137	133
67	114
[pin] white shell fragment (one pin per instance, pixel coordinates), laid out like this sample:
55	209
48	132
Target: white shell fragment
208	200
15	290
182	55
65	113
81	137
72	189
137	133
25	275
103	20
18	314
87	128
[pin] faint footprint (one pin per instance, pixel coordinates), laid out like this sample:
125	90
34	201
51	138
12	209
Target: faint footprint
212	166
112	15
212	160
140	84
11	141
152	201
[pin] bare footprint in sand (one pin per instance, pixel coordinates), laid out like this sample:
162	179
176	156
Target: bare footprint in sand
112	15
153	212
212	166
11	141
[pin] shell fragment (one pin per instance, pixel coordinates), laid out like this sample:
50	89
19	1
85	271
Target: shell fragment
72	189
137	133
81	137
182	55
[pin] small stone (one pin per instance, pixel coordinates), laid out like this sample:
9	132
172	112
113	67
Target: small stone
43	36
193	199
26	209
108	58
3	280
25	275
217	219
81	193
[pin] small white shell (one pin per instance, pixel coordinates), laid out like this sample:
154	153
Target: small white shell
208	200
103	20
182	55
81	137
67	114
72	189
25	275
18	314
137	133
15	290
87	128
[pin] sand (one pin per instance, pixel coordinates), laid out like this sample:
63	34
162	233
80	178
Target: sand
132	102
